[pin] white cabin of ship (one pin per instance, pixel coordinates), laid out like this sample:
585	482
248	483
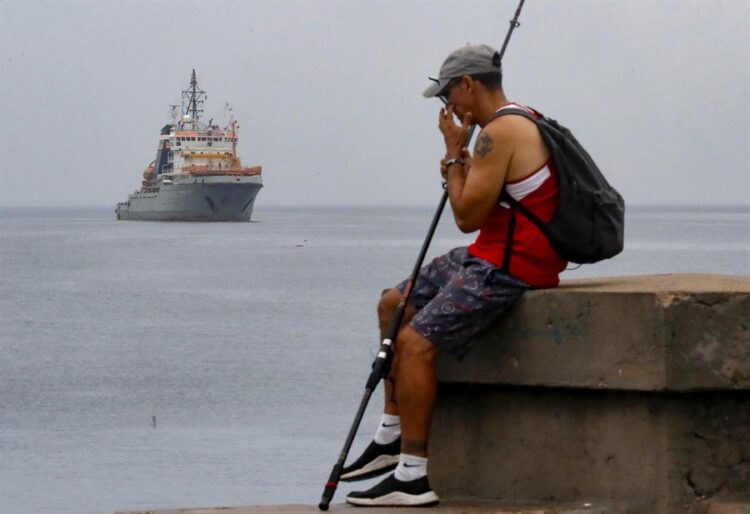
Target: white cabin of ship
194	149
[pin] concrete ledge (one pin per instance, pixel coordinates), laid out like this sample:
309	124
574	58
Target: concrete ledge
648	333
634	390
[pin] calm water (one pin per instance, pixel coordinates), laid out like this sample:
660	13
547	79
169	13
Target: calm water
156	365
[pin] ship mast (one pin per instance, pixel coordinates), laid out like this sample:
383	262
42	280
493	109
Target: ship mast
192	101
233	126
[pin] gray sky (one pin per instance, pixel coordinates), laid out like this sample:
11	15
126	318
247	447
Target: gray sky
328	94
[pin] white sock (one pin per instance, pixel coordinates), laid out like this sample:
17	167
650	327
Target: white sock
410	467
389	429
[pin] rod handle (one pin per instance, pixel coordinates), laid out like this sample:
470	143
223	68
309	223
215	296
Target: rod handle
330	487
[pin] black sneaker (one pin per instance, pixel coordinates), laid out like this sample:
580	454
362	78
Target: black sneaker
392	492
375	460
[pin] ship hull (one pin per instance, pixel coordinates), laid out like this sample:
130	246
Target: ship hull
215	201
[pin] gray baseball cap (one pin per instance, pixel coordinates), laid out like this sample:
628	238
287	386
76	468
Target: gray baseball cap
467	60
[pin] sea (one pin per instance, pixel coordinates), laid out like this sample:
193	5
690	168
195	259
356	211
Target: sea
154	365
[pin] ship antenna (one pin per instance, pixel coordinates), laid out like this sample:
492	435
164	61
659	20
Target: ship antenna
194	97
234	126
228	114
194	86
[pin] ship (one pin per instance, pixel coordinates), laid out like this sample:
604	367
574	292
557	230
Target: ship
197	175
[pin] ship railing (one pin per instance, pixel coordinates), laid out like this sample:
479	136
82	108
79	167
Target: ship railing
201	155
236	171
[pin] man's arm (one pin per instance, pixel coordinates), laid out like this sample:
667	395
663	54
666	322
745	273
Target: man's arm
474	187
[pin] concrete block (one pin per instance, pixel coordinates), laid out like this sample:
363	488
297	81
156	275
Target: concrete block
648	333
661	453
632	390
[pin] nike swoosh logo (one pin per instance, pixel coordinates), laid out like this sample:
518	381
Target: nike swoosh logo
389	426
411	465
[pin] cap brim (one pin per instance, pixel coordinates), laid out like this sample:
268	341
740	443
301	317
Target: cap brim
434	89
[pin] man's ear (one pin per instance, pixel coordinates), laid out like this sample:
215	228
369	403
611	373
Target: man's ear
469	83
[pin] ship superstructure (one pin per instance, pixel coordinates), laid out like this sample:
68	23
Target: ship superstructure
197	175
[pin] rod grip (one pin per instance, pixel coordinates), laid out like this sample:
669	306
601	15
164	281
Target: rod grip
330	487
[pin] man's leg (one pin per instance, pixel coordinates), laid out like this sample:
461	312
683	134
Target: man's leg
386	307
468	295
416	391
382	454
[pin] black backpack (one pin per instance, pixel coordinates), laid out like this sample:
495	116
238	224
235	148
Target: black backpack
589	223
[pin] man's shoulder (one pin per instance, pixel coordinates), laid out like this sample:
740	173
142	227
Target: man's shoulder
510	128
511	118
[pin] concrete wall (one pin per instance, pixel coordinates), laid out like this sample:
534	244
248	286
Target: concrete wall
633	390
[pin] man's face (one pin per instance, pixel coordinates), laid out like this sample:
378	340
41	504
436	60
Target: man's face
445	96
455	95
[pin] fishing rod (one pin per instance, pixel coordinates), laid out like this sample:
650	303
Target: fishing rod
382	364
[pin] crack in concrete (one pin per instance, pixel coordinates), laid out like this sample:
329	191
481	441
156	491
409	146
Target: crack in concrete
711	302
692	486
667	299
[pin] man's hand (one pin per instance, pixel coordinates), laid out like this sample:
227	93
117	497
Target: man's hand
453	134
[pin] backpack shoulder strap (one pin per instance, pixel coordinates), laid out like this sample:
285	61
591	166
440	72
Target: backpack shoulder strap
515	204
504	195
516	111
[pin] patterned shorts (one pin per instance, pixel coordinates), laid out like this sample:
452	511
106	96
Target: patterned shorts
459	296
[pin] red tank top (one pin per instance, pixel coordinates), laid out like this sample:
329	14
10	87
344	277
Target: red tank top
532	260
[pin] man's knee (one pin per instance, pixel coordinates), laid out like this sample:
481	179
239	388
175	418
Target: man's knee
388	304
411	346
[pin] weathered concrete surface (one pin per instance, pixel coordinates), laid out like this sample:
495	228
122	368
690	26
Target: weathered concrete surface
456	507
656	452
729	508
634	390
657	332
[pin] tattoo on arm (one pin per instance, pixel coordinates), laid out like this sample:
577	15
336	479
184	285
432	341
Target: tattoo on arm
414	447
484	144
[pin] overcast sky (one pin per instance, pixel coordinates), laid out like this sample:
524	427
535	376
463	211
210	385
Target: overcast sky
328	94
